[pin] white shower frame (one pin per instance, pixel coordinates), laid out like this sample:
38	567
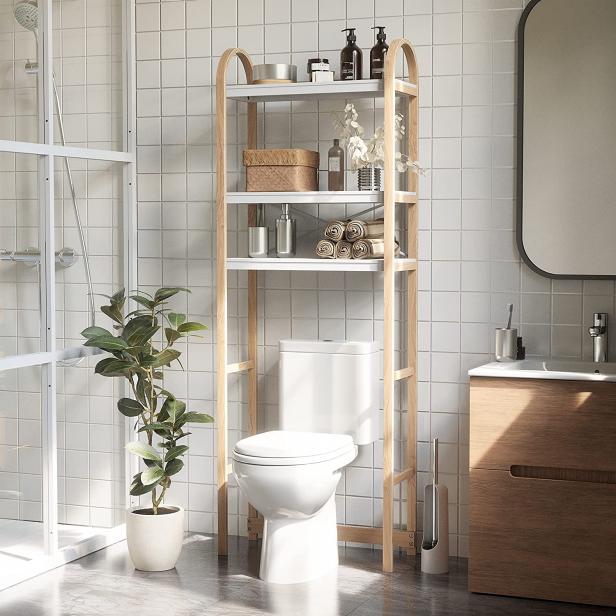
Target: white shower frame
47	359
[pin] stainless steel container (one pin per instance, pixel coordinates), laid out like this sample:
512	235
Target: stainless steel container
369	178
506	344
285	234
274	73
258	242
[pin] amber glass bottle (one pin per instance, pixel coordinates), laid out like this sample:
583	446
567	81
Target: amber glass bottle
378	53
335	167
350	58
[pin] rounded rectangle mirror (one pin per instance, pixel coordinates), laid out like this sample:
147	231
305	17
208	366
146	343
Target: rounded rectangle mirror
566	185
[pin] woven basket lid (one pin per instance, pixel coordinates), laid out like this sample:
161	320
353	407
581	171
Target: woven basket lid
276	157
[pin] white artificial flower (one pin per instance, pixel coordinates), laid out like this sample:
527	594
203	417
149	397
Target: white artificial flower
363	153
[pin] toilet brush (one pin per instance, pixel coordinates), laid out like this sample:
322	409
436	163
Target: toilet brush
435	545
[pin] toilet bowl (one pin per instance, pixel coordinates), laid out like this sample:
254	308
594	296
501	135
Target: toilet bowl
328	404
291	478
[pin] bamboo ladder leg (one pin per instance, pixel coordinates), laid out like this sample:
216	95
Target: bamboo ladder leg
221	287
411	289
388	314
252	320
389	290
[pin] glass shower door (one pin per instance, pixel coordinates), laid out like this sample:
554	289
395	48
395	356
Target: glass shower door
67	229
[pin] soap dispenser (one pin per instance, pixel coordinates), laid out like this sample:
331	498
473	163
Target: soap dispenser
350	58
378	53
285	234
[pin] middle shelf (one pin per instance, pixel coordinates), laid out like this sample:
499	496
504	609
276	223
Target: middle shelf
317	265
319	196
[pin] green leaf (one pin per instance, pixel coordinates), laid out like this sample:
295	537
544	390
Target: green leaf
113	312
191	326
103	363
164	358
156	427
152	475
143	301
138	489
167	292
130	408
195	418
141	337
107	343
143	450
118	297
173	409
140	329
176	319
172	335
173	467
174	452
113	367
93	332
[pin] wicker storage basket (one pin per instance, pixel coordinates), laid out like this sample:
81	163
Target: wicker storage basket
281	170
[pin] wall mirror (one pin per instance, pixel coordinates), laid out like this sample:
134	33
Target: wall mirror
566	182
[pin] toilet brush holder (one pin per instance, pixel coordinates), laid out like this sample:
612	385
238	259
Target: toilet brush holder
435	546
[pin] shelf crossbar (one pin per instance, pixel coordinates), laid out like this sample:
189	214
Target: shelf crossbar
319	196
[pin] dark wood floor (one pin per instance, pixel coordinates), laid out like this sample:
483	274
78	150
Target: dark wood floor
106	584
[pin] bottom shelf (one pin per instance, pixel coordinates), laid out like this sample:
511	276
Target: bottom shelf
329	265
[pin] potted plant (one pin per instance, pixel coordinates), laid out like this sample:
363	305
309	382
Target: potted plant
367	157
140	349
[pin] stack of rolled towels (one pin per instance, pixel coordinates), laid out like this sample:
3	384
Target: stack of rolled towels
354	239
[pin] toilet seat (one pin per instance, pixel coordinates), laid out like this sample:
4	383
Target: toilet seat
288	448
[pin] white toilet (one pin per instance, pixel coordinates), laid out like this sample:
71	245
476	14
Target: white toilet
328	404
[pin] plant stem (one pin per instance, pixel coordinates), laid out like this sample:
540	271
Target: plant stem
157	501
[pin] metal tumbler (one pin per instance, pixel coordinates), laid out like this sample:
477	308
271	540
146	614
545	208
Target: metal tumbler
506	344
258	242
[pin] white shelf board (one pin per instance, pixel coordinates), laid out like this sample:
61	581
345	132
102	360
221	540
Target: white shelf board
312	265
261	93
317	196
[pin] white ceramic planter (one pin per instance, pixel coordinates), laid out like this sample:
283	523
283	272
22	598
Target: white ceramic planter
155	541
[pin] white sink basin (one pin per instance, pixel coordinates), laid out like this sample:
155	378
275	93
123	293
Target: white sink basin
548	369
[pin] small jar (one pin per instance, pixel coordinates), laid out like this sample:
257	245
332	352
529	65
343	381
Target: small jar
317	65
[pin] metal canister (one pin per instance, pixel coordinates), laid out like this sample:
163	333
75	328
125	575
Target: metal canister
285	234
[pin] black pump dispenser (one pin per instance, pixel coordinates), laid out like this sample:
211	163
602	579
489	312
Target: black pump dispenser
378	53
350	58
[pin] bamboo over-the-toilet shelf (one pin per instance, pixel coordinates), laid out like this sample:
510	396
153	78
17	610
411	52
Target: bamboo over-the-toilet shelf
388	88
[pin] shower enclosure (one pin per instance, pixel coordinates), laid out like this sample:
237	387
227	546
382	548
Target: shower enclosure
67	230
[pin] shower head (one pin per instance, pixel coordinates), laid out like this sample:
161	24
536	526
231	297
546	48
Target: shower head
26	14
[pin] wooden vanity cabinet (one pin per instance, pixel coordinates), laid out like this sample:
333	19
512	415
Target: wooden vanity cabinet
543	489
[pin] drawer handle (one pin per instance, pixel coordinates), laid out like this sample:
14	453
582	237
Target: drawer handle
562	474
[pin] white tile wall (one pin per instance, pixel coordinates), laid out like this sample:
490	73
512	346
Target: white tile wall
470	267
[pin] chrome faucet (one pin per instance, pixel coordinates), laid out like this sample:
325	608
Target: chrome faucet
598	333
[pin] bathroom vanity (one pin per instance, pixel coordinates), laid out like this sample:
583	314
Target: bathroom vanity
543	480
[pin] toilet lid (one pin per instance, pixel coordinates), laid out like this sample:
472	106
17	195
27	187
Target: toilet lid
280	447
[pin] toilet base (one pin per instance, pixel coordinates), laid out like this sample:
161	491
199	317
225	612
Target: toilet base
298	550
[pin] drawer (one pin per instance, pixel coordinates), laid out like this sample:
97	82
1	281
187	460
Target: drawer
562	424
543	539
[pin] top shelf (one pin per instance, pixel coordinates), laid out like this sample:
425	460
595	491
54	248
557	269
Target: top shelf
305	90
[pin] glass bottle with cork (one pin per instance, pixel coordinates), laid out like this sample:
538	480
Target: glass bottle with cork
335	167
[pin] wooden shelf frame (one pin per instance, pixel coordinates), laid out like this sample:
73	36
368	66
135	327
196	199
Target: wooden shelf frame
390	88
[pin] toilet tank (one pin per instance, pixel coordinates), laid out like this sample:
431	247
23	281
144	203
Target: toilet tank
329	386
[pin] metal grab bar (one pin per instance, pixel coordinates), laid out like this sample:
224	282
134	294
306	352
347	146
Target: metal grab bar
65	257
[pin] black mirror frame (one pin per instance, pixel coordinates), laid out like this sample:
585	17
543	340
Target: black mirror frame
519	184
